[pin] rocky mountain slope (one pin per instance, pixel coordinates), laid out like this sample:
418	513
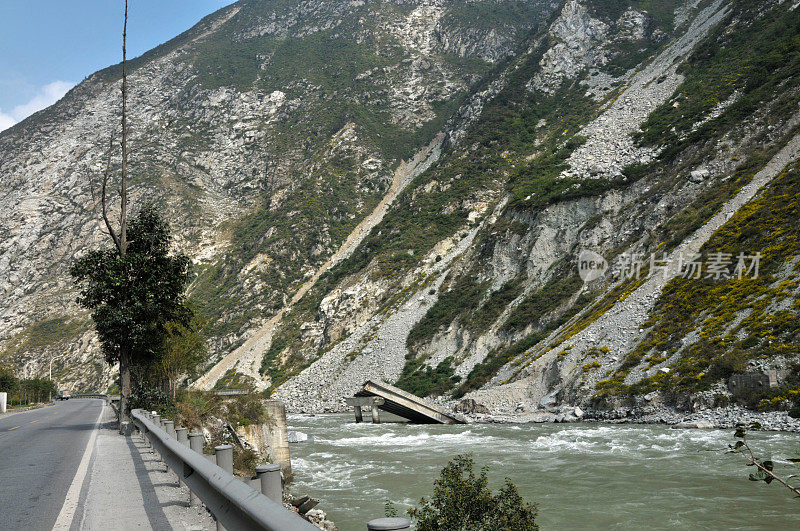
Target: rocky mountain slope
415	203
269	131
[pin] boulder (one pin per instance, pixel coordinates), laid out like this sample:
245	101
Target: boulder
694	425
299	436
468	406
698	176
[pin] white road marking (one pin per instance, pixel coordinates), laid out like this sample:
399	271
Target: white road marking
64	520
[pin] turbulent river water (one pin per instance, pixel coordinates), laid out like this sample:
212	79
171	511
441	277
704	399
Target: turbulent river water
581	476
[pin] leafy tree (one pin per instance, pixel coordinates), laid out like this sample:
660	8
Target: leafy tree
155	382
184	350
8	382
462	502
36	389
147	394
133	297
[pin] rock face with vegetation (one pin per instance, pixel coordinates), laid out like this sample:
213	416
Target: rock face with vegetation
403	190
268	132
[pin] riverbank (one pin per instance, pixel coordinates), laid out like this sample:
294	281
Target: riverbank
717	418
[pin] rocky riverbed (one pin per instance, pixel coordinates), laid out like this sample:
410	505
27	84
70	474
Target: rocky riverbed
717	418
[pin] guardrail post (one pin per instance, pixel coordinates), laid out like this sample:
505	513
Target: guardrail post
143	433
270	476
224	454
169	427
157	422
182	434
196	444
389	524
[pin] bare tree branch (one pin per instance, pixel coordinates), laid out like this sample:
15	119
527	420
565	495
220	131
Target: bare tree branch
122	244
111	232
757	463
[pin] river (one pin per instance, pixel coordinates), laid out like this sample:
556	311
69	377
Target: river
581	476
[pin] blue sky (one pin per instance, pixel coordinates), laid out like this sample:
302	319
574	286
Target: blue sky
47	46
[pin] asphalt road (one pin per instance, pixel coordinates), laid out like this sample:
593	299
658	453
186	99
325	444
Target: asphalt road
40	451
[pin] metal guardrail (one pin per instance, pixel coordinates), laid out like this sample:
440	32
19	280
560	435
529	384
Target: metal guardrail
233	503
231	392
113	398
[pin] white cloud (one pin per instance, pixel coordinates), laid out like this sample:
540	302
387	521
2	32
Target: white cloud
6	120
47	95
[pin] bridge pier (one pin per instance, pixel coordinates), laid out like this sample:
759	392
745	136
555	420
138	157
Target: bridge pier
372	402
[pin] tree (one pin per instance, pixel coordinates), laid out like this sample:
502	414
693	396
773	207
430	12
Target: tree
184	349
462	502
36	389
134	296
120	237
120	240
8	382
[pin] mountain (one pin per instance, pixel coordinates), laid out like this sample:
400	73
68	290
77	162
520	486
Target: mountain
414	191
251	128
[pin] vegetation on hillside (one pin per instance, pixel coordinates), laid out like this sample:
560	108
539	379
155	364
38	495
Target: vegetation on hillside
754	60
423	380
735	319
335	189
423	214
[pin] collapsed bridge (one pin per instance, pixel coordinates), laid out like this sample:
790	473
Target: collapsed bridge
380	395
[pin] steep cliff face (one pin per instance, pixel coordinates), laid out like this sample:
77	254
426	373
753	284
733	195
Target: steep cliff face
268	131
622	132
404	191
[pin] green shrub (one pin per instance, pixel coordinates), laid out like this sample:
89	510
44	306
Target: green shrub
541	302
462	501
423	380
463	296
